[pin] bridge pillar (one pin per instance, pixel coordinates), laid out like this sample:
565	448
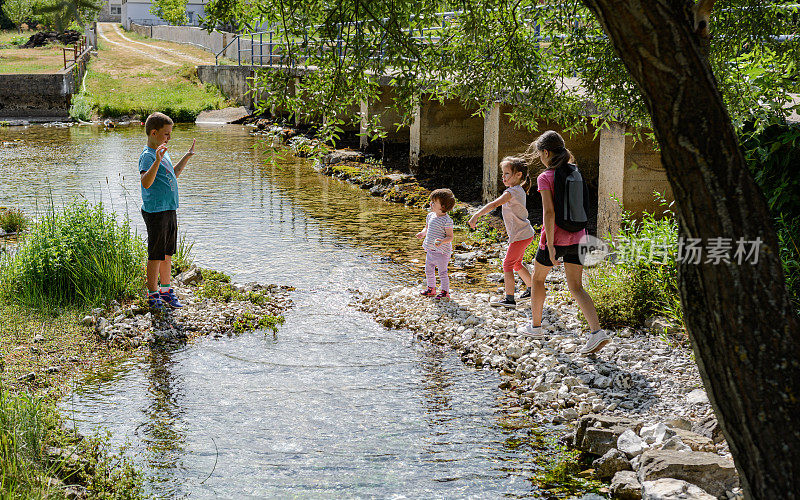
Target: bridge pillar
363	140
415	139
611	180
491	146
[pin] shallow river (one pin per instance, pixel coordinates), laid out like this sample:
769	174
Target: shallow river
333	406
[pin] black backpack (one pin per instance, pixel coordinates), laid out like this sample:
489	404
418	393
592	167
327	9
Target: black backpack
570	198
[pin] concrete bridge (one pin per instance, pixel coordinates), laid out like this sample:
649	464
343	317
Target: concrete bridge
618	168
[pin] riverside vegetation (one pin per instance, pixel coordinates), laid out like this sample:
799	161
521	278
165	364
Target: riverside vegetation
70	298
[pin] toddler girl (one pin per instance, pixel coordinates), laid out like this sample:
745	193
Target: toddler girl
437	237
519	229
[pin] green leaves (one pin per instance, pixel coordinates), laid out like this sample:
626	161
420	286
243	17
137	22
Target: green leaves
172	11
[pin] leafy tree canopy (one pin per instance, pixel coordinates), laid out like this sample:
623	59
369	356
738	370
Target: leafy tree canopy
172	11
552	59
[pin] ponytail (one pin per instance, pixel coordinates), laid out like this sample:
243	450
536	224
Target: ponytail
553	142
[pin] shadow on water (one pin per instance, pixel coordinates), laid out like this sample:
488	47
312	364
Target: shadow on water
334	405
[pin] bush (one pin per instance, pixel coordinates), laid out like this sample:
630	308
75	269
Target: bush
81	108
12	220
644	280
78	256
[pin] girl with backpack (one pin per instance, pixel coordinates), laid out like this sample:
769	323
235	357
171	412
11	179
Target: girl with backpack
564	200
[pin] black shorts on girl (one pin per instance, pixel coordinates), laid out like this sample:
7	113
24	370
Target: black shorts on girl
162	233
568	253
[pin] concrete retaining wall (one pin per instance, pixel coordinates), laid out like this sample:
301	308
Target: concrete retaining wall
36	96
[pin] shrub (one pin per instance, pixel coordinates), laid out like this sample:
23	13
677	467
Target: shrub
81	108
78	256
644	280
12	220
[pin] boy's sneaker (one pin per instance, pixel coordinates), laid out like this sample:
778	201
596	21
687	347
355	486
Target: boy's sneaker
534	332
428	292
526	294
171	299
444	294
510	304
154	301
597	341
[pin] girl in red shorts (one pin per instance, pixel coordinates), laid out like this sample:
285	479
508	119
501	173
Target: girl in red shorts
519	229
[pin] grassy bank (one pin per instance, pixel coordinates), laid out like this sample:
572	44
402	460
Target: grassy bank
14	59
127	79
70	261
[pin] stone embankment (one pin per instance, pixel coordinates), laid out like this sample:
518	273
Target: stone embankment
242	308
638	404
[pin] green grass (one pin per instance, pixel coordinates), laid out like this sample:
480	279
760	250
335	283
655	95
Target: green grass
181	98
182	260
77	256
29	427
12	220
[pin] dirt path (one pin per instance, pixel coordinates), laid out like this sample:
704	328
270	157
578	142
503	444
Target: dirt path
169	53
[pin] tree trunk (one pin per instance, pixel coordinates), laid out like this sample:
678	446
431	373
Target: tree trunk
743	330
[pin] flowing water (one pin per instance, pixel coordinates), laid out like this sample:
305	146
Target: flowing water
334	405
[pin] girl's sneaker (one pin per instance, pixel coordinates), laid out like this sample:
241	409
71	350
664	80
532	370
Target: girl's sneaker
526	294
444	294
429	292
504	302
534	332
597	340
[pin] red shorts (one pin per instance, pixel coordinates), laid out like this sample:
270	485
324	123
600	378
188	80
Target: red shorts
514	254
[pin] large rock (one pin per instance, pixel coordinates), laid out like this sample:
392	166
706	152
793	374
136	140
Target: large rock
596	434
656	433
709	428
190	276
341	155
631	444
626	486
715	473
223	116
673	489
609	464
695	441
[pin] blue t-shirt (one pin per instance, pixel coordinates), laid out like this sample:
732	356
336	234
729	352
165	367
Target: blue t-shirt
163	193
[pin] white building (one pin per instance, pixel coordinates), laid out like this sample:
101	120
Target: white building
138	11
111	11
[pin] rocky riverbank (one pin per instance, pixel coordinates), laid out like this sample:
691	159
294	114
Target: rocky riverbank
212	306
641	383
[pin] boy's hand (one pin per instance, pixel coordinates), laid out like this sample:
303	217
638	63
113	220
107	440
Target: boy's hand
437	242
161	150
421	235
191	150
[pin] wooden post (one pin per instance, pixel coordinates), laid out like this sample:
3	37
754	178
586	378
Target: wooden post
491	142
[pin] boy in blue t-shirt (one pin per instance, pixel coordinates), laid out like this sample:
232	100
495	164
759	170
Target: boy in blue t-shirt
159	205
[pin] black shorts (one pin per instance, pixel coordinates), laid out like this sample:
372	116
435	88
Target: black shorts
162	233
568	253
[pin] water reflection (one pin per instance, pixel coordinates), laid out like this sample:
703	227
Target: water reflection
162	434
